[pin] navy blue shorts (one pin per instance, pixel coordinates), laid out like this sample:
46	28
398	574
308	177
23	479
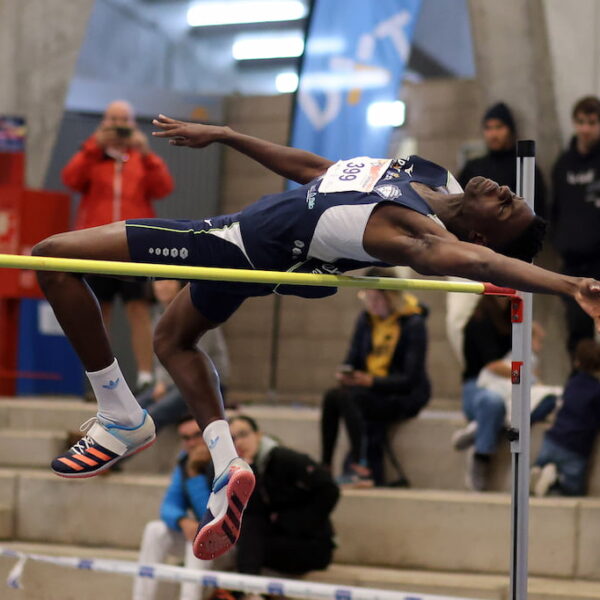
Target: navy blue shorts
189	243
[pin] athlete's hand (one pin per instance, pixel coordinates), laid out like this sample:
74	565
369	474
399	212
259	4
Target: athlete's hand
588	297
193	135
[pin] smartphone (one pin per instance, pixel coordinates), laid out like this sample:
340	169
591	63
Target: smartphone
123	132
345	369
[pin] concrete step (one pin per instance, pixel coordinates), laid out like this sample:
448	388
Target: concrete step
422	444
6	522
43	581
30	448
396	528
48	413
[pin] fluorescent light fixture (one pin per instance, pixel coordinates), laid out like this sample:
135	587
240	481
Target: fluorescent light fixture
335	81
263	47
286	83
202	14
386	114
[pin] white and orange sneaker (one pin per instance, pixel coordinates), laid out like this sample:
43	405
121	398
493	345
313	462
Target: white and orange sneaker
102	446
222	521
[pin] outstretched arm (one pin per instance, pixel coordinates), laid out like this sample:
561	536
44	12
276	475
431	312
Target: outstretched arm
433	255
298	165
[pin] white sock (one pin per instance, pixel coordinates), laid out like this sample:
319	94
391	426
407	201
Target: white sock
116	403
144	377
219	442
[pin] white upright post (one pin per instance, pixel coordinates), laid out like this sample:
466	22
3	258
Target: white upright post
520	407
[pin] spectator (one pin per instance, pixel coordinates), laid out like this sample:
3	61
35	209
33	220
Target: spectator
163	401
182	508
487	339
383	379
286	525
500	164
117	176
500	161
561	466
496	377
575	214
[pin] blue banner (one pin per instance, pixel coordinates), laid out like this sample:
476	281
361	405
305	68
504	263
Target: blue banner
355	56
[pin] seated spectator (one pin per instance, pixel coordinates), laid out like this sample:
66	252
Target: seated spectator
382	381
286	526
487	338
496	377
163	401
182	508
561	465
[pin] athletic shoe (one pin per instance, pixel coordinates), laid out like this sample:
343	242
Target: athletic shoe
102	446
220	527
465	437
546	478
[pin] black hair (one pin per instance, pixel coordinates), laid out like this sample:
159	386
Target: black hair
528	243
253	424
502	113
589	105
587	356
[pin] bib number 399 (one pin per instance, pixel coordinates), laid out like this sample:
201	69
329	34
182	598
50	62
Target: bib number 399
359	174
349	173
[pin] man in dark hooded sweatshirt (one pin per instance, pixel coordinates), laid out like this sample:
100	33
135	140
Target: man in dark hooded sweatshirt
500	164
575	216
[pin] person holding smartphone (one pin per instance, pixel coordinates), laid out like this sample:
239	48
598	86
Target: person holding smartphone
382	380
118	177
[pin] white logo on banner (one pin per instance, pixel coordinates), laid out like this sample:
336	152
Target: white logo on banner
347	74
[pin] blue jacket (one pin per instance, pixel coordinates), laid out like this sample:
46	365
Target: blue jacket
578	420
183	494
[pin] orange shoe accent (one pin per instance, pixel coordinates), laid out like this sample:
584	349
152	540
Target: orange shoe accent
86	459
98	454
71	464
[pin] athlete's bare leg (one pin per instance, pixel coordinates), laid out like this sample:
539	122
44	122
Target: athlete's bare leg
74	304
193	372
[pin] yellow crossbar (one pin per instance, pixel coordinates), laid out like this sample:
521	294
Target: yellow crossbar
105	267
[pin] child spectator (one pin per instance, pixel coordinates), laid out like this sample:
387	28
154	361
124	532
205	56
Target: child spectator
561	466
496	377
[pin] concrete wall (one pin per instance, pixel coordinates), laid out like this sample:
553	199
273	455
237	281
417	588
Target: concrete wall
513	64
575	55
39	43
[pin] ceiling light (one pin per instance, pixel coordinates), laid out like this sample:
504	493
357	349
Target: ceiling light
286	83
267	47
386	114
203	14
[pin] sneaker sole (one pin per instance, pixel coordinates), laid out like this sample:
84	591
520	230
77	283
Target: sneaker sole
107	465
216	538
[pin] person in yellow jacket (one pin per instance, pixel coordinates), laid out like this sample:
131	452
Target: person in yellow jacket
382	380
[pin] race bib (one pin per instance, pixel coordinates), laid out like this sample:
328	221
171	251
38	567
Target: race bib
354	175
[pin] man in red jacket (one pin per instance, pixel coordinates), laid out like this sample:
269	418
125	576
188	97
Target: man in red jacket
118	177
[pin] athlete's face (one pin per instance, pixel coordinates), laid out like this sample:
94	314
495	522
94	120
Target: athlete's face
246	440
497	135
494	214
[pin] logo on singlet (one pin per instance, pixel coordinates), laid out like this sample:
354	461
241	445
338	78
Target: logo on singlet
388	191
311	196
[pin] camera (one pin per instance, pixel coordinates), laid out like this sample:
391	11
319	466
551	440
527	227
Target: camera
123	132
